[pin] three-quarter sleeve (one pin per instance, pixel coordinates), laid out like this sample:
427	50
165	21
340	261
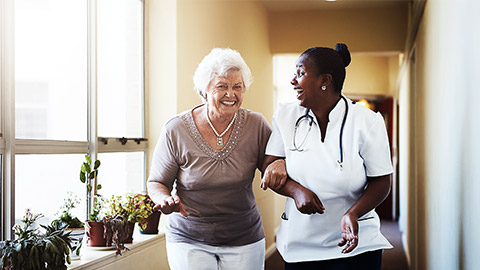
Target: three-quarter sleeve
375	149
264	134
164	167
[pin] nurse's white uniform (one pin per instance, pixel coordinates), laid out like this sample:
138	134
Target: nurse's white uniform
366	152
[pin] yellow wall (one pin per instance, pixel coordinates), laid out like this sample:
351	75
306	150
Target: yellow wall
369	74
364	30
161	67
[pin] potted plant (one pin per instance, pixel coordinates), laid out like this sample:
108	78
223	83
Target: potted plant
116	223
149	225
121	215
116	231
139	208
93	225
33	249
72	224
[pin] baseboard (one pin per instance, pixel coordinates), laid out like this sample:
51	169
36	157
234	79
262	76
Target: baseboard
270	250
405	248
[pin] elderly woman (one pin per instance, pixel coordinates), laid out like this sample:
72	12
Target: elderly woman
337	158
203	168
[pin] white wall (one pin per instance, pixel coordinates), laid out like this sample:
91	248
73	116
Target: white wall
444	138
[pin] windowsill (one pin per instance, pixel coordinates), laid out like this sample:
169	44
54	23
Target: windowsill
92	258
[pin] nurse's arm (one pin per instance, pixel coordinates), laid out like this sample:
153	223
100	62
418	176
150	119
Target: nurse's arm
377	190
306	201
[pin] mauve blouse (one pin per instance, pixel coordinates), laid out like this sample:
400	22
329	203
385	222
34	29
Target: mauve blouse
215	186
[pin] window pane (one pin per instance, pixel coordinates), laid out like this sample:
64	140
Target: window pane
42	183
51	69
121	173
120	68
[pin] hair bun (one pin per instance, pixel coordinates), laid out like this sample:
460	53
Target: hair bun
342	49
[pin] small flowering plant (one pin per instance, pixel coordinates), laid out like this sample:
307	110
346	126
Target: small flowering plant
66	217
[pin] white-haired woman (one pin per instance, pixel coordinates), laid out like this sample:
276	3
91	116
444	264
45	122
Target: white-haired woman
210	154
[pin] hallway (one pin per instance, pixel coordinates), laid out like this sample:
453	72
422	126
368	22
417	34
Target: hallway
393	259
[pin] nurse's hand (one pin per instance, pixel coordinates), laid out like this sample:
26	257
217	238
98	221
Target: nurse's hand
307	202
349	227
275	175
171	204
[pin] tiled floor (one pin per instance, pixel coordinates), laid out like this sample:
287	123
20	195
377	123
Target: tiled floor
393	259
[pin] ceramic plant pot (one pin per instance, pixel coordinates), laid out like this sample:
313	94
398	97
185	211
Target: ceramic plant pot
94	231
152	223
131	227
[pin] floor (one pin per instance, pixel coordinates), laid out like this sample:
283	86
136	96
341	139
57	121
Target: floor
393	259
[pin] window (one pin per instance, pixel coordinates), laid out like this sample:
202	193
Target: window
74	86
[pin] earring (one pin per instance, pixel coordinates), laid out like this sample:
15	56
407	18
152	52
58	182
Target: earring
324	88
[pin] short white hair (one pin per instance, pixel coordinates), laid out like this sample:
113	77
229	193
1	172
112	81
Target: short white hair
217	64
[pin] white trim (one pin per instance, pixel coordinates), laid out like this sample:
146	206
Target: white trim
50	147
94	259
7	78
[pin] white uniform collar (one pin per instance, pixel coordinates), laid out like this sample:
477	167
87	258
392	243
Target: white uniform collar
337	112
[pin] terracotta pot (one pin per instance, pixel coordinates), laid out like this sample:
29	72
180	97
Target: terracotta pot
131	227
152	223
94	231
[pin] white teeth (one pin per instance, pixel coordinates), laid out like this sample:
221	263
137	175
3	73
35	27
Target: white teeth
228	102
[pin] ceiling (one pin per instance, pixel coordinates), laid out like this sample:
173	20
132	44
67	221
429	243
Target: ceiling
285	5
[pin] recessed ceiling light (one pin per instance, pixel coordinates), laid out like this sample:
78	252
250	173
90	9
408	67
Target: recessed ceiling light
330	0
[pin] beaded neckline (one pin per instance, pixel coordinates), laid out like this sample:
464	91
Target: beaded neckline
206	148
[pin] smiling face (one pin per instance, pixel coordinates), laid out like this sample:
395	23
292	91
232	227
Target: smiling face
225	94
307	82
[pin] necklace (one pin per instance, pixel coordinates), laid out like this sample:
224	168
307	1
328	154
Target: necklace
220	136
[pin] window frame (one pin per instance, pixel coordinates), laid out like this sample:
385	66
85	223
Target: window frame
10	146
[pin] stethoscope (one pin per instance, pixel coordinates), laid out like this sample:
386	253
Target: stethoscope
309	118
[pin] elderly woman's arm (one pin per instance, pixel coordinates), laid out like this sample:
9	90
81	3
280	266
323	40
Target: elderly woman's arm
163	199
377	190
306	201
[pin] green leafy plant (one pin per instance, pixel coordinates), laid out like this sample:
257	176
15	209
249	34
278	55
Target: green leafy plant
135	208
33	249
66	217
88	176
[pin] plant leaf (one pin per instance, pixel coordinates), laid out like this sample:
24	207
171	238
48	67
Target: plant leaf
99	186
89	188
87	168
82	177
97	164
89	160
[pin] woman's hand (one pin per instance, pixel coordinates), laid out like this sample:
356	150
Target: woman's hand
349	228
275	175
307	202
171	204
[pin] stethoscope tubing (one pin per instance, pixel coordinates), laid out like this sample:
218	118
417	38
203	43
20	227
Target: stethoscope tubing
310	118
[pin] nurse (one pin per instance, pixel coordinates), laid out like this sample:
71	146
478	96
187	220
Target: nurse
338	169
